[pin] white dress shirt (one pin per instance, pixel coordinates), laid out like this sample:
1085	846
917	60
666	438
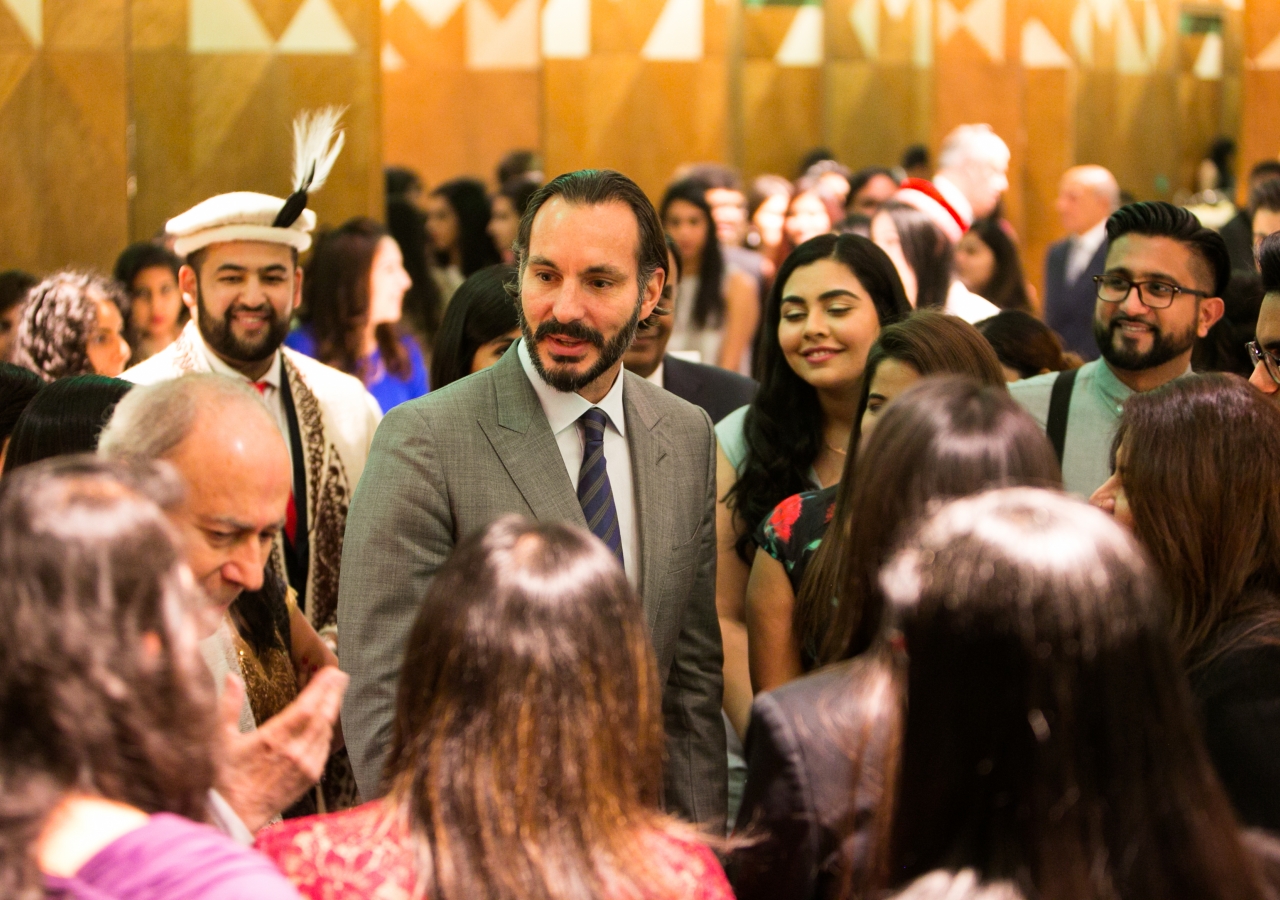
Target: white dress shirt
1083	246
655	377
563	410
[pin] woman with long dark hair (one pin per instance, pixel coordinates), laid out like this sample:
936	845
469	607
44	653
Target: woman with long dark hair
785	634
1035	725
1197	464
526	759
351	306
828	304
988	264
925	259
479	326
109	720
458	228
946	437
716	309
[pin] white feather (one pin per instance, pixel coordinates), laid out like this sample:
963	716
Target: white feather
317	141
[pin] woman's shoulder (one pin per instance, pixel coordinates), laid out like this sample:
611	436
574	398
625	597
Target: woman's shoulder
173	857
730	435
361	852
688	865
302	339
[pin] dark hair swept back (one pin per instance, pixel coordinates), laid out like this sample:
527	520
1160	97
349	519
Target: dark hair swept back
1269	263
482	308
708	305
65	417
596	187
529	698
102	684
1155	218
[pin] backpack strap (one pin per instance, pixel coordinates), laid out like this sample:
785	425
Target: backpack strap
1059	408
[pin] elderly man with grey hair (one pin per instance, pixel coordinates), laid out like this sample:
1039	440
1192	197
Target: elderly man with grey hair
220	438
973	171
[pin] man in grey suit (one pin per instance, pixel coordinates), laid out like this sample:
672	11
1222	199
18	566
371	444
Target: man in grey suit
556	431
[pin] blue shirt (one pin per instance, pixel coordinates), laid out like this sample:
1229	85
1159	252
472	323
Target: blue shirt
387	389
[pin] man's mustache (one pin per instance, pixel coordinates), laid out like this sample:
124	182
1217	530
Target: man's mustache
575	331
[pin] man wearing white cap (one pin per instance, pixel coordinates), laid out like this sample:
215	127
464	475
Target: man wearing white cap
242	282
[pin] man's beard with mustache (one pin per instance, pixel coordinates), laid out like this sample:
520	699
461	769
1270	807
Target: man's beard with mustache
218	335
1164	347
610	351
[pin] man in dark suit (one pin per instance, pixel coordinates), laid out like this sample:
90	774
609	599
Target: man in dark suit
556	430
1086	197
716	390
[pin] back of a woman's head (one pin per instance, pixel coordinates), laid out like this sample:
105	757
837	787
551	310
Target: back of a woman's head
17	388
1200	463
57	321
1049	738
947	437
927	250
936	344
100	678
481	310
1024	343
528	698
65	417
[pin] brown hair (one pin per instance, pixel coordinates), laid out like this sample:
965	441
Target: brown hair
336	297
57	321
1201	471
528	742
1045	735
932	344
92	568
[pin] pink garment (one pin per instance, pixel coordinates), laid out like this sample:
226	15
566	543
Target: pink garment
363	852
172	858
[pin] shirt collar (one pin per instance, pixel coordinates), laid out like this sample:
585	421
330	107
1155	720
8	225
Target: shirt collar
564	409
1112	389
220	367
656	375
1092	238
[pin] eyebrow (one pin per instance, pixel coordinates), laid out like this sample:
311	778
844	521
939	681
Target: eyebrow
1149	276
605	269
235	524
238	269
824	296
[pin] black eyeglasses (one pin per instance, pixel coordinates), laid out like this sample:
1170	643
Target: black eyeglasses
1268	359
1152	294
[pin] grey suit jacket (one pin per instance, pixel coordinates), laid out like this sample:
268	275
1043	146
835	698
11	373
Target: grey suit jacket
447	464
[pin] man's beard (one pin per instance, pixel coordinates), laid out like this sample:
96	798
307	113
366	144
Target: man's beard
1164	347
609	351
218	335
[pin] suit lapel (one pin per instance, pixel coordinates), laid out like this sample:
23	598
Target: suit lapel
525	446
654	501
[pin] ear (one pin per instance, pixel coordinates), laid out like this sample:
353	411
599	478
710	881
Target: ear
652	293
297	287
190	287
1209	312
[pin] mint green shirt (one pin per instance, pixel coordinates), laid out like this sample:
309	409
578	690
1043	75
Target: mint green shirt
1096	404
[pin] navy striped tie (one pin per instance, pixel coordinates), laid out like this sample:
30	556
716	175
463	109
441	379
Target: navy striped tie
594	492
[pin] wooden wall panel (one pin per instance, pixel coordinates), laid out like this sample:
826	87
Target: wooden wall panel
63	122
619	107
1260	134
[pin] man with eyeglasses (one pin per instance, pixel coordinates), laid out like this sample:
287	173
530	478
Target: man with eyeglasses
1161	289
1265	350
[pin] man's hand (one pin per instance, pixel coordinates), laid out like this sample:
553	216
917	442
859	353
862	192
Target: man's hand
263	772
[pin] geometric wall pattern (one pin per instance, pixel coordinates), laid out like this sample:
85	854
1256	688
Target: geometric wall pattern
178	100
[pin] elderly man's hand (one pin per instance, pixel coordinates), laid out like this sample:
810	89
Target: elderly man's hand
263	772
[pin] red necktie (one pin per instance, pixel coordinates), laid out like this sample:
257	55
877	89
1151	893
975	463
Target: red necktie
291	514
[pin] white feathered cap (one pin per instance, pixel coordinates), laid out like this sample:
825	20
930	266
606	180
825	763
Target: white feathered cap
249	216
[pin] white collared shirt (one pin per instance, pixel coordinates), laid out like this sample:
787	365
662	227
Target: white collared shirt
563	410
1083	246
655	377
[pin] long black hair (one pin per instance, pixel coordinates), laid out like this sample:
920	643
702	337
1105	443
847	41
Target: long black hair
470	203
708	306
1007	288
65	417
783	426
482	309
927	250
